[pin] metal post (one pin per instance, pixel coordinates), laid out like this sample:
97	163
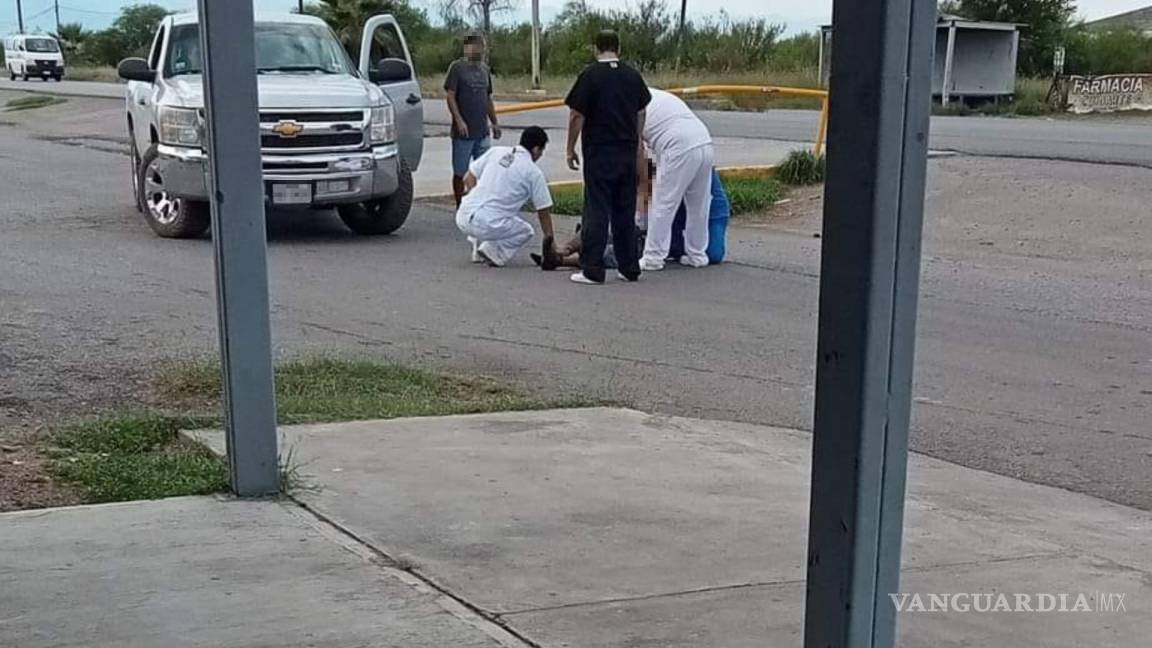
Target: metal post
56	5
820	60
873	217
946	88
535	44
680	32
822	129
300	7
239	237
20	16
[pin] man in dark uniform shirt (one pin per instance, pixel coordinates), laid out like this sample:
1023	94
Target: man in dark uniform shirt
607	112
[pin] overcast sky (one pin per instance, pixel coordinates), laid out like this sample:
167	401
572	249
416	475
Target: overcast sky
798	15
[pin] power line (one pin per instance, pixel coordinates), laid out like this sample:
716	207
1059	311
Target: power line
90	11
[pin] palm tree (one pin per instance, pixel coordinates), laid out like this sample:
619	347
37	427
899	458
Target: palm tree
71	36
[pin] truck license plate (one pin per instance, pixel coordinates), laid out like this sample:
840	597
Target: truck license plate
291	194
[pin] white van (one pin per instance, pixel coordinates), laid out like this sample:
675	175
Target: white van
33	55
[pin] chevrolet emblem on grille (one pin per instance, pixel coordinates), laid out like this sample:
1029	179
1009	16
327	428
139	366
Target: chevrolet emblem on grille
288	129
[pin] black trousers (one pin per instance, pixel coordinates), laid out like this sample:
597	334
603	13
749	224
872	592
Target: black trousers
609	206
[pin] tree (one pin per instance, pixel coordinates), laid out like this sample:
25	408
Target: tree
480	10
106	47
136	27
347	18
1046	22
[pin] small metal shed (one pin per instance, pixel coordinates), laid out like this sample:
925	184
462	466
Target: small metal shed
974	59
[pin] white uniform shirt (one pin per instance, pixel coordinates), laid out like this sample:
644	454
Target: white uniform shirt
671	128
506	179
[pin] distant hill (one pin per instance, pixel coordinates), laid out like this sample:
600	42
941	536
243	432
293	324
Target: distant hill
1140	19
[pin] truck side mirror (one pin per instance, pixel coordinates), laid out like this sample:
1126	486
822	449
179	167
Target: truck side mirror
391	70
136	69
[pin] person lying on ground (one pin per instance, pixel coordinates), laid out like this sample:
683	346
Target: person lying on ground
567	255
498	185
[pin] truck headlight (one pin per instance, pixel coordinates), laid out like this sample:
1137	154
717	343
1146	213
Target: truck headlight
179	126
383	125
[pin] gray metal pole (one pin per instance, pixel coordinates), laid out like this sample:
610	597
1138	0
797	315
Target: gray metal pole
873	216
949	53
535	44
239	237
20	15
680	33
56	5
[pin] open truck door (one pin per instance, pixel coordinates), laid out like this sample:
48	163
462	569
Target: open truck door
387	62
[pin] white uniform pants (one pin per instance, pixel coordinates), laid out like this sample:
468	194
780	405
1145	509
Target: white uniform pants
500	238
686	177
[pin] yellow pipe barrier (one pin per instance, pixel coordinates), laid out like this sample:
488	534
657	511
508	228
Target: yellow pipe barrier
823	132
710	90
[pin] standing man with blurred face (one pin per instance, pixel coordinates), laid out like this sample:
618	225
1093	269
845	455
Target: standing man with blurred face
608	105
469	88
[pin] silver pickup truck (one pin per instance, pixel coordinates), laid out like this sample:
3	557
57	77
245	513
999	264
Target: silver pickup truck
333	133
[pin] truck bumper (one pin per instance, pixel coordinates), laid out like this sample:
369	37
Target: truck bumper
335	178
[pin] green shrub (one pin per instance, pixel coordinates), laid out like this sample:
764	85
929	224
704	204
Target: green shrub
801	167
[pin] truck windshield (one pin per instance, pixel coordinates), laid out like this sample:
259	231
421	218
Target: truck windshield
281	48
42	45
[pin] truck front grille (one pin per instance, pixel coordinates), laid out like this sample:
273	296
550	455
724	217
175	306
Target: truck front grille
318	140
314	131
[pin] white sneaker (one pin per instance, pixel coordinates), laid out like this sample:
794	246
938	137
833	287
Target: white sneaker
476	258
651	265
581	279
487	258
622	277
694	262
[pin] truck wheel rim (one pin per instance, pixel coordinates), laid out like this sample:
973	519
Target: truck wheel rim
164	208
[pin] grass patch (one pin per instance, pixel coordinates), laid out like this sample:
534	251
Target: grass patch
752	195
317	390
31	102
140	455
136	456
748	195
801	167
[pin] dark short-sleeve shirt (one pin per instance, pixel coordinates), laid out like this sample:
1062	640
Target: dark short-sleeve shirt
472	83
610	95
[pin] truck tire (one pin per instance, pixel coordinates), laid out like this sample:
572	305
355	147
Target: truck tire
384	216
11	73
134	170
168	216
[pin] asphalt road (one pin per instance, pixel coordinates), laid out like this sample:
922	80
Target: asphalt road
1036	313
1123	140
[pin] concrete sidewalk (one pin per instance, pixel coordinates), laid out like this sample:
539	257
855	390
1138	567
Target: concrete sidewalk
614	528
213	573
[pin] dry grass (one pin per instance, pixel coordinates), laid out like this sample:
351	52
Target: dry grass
90	73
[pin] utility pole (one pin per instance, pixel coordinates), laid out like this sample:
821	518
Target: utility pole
20	15
680	32
300	7
535	44
56	5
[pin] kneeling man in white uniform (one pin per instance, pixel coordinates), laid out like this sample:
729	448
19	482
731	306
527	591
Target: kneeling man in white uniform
499	184
682	149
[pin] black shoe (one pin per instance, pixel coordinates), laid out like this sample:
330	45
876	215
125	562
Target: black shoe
537	259
549	260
